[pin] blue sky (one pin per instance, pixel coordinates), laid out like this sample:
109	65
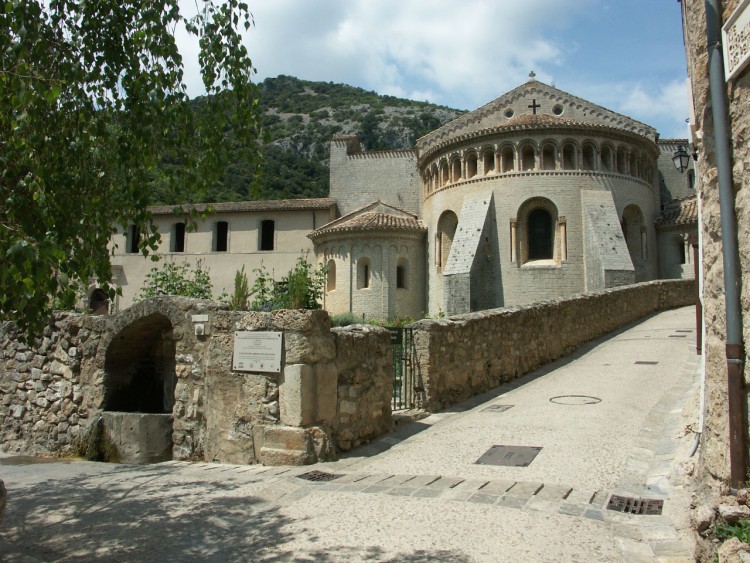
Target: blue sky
626	55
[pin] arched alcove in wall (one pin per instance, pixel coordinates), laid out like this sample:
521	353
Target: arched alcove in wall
139	367
446	230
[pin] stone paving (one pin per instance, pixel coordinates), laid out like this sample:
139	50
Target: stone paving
372	511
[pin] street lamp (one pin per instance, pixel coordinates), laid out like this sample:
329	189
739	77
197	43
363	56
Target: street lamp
681	159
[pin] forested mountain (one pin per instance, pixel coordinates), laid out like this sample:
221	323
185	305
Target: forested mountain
301	117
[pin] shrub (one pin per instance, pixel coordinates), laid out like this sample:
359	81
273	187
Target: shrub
177	279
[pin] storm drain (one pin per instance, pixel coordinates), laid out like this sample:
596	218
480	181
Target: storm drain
318	476
497	408
645	363
632	505
509	456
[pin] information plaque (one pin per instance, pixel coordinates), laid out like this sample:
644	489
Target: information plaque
257	351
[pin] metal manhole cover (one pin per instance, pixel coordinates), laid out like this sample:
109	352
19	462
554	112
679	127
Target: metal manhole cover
632	505
319	476
497	408
509	456
645	363
575	400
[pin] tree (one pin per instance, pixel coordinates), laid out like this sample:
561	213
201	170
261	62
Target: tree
93	103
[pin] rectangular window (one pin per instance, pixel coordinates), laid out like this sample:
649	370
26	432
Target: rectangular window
221	236
133	238
178	237
267	229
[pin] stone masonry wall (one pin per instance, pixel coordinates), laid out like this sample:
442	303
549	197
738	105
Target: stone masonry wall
335	387
462	356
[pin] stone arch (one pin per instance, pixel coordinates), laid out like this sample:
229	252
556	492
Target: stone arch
569	156
455	169
444	176
471	164
139	367
608	158
588	153
527	153
549	155
331	275
507	158
622	161
488	160
446	231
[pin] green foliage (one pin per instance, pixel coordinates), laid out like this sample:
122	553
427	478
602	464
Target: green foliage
346	319
240	299
301	288
740	530
94	119
177	279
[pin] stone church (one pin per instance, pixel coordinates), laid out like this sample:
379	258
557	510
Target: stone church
536	195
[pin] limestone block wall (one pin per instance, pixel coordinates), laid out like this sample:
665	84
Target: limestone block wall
464	355
364	360
333	388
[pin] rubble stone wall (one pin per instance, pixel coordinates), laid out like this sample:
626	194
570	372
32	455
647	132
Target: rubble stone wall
464	355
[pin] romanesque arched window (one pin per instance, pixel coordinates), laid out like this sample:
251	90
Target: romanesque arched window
569	160
446	230
401	274
539	234
444	178
471	165
528	157
331	275
488	158
621	161
363	273
608	158
508	158
456	170
549	156
589	156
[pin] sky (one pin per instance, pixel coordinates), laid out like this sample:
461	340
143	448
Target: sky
625	55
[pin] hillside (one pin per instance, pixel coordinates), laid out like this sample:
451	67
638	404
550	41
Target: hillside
301	117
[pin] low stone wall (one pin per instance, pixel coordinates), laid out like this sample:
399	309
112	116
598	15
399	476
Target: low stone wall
465	355
52	392
364	360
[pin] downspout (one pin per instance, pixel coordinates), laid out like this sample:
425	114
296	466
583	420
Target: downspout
734	346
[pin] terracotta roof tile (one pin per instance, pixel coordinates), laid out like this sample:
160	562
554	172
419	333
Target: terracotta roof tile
679	212
242	206
373	221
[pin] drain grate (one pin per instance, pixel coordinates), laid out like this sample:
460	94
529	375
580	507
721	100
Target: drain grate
319	476
632	505
497	408
509	456
645	363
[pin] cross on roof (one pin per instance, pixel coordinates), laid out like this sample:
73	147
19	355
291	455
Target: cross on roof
534	106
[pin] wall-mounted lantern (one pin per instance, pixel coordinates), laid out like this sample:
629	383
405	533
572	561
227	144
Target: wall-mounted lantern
681	159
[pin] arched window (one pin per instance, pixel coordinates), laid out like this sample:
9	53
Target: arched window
621	161
508	159
471	165
455	170
443	173
539	234
221	236
608	159
528	157
489	161
132	238
331	275
589	157
446	230
569	161
267	232
549	161
401	271
363	273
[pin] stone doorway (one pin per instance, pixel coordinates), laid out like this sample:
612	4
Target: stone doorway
139	385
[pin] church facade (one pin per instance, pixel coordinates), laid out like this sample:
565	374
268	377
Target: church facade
536	195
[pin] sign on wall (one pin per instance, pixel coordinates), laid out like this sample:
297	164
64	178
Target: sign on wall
257	351
736	41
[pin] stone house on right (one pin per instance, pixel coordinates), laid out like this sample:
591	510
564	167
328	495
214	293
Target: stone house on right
715	35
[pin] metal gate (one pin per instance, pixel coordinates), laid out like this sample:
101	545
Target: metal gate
407	393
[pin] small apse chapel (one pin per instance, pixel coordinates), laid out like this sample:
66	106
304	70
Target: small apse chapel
535	195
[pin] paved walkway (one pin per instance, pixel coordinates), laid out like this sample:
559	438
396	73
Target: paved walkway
612	419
